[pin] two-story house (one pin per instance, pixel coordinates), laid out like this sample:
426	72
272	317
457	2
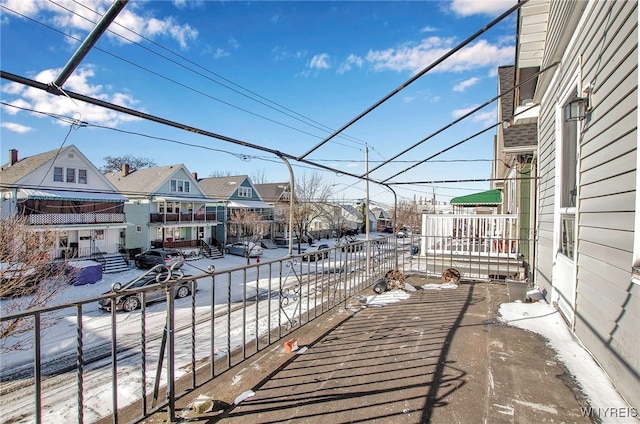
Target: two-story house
236	193
166	208
61	190
277	195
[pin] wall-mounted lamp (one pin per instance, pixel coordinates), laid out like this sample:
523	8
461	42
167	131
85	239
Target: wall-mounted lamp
576	109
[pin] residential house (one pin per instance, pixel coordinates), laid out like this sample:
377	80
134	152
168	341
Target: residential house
61	190
587	221
516	146
166	208
277	195
383	219
237	193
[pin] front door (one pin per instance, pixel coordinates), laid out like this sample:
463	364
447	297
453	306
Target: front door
100	242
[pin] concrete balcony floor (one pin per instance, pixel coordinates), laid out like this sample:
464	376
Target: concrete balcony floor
438	356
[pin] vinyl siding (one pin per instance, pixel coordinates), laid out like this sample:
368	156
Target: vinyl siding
545	253
604	50
606	297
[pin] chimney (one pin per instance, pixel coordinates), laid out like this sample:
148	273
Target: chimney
125	169
13	156
194	175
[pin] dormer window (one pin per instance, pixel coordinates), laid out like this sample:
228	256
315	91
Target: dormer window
180	186
244	191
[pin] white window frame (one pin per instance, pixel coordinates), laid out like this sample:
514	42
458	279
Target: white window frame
58	174
566	214
82	176
70	172
244	192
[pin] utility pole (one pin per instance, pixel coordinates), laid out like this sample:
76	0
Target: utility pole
366	210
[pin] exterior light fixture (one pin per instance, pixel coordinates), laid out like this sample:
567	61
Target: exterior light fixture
576	109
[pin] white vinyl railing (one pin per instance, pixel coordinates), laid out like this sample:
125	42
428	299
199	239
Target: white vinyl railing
494	235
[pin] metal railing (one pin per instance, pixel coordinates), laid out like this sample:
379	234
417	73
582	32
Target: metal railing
141	360
226	317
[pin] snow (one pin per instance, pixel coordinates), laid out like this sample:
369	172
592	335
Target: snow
544	319
538	317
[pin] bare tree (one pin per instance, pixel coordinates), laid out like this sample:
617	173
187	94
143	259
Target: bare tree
249	228
407	216
310	191
259	176
218	174
28	278
114	164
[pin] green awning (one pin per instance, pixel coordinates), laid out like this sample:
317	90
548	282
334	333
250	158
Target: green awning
483	198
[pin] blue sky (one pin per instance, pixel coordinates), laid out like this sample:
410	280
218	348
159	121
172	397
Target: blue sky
283	75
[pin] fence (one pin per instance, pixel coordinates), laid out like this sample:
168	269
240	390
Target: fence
142	360
219	320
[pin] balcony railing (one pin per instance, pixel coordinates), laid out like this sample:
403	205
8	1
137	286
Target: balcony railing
142	361
75	218
170	218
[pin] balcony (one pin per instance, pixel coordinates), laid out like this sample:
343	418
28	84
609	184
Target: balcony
75	218
174	218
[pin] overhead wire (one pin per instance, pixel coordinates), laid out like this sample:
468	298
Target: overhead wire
417	76
277	153
260	99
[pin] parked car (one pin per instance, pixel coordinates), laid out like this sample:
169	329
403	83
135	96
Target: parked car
404	233
133	300
350	245
243	248
19	279
153	257
314	253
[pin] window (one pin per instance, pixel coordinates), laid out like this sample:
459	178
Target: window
71	175
568	152
138	228
57	174
244	191
82	176
180	186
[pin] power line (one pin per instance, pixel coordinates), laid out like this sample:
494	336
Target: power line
417	76
286	111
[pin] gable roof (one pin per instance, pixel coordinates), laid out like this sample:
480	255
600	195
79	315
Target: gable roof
25	175
223	187
272	192
144	180
11	174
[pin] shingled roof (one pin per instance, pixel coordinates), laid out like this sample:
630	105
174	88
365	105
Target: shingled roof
12	173
144	180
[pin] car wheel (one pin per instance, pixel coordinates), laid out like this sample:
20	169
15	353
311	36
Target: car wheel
227	251
131	303
139	264
183	291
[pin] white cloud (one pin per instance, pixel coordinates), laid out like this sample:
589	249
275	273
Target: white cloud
481	7
220	53
320	61
428	28
487	118
350	62
41	101
77	17
233	42
463	85
414	58
12	126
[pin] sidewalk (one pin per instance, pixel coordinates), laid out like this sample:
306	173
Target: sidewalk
437	356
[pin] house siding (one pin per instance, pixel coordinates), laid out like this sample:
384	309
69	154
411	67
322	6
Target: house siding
138	215
607	300
545	255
